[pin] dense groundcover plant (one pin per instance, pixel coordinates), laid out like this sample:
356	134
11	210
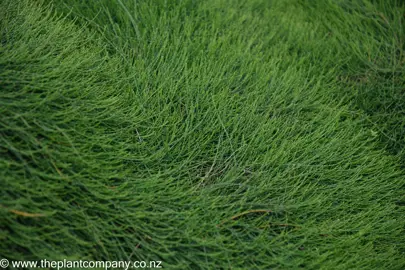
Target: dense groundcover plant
218	134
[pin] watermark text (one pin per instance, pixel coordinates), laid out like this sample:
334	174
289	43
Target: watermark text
82	264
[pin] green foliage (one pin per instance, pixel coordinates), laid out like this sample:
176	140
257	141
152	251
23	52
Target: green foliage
205	134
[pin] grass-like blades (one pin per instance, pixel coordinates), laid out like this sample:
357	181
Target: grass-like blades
215	134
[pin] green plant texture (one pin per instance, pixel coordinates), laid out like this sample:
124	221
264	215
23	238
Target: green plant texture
218	134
